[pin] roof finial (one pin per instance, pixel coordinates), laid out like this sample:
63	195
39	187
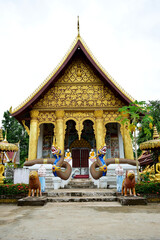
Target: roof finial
78	26
1	135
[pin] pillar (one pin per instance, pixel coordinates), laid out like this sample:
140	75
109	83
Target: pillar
127	141
60	129
120	141
33	136
99	128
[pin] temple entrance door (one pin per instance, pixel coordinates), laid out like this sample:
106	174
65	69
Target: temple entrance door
80	159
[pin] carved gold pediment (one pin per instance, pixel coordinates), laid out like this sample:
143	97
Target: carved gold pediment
79	72
79	87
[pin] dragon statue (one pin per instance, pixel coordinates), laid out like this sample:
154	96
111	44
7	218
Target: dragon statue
60	168
99	167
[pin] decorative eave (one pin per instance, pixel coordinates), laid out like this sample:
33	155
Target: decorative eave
78	43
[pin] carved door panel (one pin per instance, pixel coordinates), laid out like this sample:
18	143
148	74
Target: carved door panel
84	157
80	159
76	157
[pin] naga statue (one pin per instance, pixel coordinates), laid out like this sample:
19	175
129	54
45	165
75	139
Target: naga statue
99	167
60	167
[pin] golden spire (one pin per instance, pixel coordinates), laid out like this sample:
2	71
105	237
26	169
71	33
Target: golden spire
155	133
5	139
1	135
54	141
78	26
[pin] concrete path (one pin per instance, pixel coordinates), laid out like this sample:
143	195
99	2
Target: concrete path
80	221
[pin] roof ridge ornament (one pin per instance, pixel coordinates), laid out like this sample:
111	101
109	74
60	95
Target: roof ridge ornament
78	26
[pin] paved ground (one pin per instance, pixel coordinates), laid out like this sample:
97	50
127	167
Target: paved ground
75	221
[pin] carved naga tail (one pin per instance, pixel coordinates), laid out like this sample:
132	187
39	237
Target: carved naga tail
99	167
60	167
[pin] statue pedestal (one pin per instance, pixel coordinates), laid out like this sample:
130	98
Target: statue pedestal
103	182
57	182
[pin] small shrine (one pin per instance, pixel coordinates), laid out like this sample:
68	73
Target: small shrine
154	146
78	105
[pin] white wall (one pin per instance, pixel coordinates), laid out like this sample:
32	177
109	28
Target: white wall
40	142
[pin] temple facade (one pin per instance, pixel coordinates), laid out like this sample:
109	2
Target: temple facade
78	105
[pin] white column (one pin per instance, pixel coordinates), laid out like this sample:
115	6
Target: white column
40	142
120	140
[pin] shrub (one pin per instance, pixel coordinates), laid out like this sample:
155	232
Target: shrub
14	189
148	188
8	181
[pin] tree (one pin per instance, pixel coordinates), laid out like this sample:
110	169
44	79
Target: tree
133	115
145	128
16	133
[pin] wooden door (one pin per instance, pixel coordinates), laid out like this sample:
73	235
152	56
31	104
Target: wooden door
80	157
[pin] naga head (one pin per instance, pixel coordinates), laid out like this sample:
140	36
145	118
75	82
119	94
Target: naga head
102	150
55	150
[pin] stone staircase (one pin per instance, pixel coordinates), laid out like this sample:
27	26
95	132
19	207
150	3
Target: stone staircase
49	179
81	190
81	195
80	183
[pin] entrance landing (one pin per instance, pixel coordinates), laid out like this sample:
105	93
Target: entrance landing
81	176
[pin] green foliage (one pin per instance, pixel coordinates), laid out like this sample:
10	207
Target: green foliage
14	189
16	133
147	188
8	181
137	112
155	114
146	133
145	177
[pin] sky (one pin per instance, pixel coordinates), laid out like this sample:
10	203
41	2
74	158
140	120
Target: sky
123	35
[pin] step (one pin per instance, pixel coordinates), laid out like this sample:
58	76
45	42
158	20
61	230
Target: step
32	201
81	193
82	199
80	183
132	200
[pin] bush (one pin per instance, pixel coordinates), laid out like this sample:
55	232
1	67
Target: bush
148	188
14	189
7	181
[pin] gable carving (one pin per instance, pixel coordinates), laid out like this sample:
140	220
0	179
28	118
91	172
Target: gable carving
79	87
79	72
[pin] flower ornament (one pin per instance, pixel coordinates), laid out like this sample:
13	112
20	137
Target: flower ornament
103	168
55	168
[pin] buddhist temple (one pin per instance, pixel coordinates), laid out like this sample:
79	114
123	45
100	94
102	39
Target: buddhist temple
77	104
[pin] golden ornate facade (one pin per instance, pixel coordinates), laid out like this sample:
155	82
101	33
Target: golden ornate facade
79	91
